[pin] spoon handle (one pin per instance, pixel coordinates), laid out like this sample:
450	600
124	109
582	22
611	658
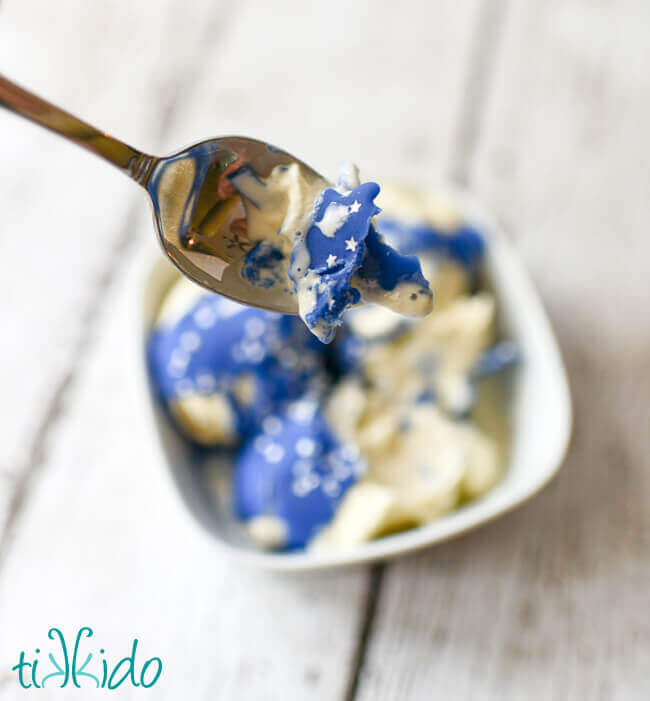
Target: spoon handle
135	164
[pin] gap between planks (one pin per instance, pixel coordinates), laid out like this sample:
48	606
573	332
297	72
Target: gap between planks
365	629
478	79
489	28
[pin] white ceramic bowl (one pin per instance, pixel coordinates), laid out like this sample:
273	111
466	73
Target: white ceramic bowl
540	409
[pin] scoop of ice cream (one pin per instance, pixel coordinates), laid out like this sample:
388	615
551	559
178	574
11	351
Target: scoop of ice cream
291	476
222	367
421	464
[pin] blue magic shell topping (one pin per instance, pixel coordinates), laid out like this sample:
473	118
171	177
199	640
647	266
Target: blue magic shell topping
333	249
219	343
388	267
264	266
342	254
295	471
464	245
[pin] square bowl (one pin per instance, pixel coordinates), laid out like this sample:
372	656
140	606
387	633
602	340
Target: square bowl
539	409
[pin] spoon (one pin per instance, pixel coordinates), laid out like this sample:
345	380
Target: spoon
199	216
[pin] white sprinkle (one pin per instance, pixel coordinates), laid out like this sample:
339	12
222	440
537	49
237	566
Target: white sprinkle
272	425
312	480
332	488
254	351
190	341
262	443
205	317
305	447
254	327
179	359
305	484
351	244
331	259
355	207
274	453
302	412
300	487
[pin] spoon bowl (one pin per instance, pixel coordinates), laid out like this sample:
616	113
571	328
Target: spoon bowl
201	220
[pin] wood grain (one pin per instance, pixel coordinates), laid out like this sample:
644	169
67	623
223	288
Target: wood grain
66	217
552	601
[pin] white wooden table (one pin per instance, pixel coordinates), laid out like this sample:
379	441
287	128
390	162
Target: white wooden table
543	106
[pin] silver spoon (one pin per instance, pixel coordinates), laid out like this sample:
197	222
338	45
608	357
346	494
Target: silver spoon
199	216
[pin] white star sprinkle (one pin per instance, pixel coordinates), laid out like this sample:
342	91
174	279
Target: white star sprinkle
190	341
331	259
305	447
351	244
331	488
274	453
205	316
302	411
355	207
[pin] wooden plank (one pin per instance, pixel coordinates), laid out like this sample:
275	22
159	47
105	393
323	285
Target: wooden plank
102	537
107	541
552	601
366	81
64	213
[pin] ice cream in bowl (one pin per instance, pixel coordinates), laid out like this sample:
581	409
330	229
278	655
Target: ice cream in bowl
357	431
